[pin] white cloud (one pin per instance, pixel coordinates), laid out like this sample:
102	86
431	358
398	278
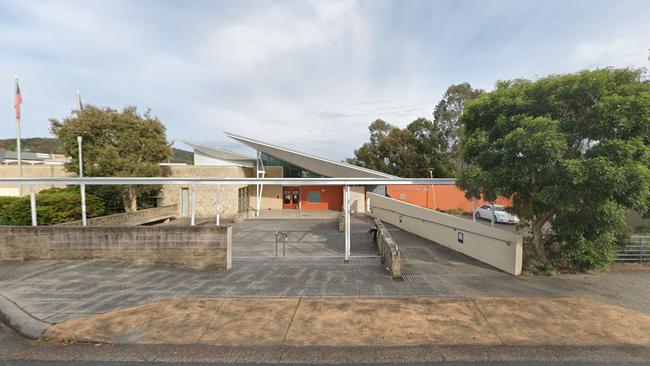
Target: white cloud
310	74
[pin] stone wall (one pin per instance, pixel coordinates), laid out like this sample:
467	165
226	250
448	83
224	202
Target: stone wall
271	195
191	246
388	250
30	171
206	196
139	217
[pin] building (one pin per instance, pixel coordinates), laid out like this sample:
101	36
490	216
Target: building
8	157
270	161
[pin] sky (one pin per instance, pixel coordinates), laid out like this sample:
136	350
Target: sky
310	75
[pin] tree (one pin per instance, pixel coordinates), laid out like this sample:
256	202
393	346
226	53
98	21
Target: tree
447	115
571	150
408	152
115	144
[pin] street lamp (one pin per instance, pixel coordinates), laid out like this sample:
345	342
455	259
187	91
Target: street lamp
82	186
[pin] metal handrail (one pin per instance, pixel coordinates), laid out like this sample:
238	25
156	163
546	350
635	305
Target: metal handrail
222	181
284	242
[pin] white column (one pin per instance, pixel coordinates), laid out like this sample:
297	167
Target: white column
32	204
218	204
18	148
193	216
492	215
346	203
82	186
473	210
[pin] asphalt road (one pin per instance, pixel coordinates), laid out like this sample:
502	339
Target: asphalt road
10	342
447	363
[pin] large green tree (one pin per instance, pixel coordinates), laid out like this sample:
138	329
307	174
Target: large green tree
408	152
447	113
571	150
115	144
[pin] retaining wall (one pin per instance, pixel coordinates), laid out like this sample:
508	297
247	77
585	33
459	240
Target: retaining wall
191	246
388	250
498	248
129	218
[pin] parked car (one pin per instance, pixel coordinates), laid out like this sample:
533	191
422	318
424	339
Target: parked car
501	216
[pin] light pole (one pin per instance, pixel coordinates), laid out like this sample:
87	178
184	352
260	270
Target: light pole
82	186
433	192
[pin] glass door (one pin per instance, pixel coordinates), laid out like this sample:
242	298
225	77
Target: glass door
290	198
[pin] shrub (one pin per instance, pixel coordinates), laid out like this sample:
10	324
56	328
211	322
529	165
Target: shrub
53	206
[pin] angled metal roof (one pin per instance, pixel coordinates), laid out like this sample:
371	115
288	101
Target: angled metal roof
222	154
316	164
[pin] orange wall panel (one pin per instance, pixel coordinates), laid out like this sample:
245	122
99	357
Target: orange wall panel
331	198
439	197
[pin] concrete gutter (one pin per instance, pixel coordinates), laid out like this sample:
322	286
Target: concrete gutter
21	321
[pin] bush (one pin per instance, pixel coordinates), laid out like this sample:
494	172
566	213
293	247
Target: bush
53	206
586	238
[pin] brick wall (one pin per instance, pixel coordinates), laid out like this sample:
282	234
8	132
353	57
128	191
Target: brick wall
388	250
206	199
271	195
30	171
191	246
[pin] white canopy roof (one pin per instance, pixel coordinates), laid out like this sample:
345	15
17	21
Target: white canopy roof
316	164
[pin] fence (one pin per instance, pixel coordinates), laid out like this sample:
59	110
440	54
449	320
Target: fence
635	249
346	183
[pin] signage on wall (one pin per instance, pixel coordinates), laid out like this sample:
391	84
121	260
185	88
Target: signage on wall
461	237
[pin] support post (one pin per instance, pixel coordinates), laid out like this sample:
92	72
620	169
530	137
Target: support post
218	204
82	186
32	204
346	203
473	210
433	192
261	173
492	216
193	215
18	148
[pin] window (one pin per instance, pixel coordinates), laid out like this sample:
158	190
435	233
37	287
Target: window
314	196
244	200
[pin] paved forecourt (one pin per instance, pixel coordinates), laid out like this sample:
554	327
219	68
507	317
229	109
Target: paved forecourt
60	290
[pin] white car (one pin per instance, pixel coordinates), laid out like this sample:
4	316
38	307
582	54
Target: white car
501	216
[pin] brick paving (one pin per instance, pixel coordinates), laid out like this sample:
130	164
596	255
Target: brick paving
61	290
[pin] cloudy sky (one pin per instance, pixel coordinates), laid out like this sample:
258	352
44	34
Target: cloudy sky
307	74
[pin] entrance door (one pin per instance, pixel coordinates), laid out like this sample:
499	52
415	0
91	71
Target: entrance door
185	202
290	198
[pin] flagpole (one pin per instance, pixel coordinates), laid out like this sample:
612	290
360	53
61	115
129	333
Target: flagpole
18	149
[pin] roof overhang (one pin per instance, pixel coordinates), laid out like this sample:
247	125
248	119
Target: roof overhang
222	154
315	164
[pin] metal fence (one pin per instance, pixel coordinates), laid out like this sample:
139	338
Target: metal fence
635	249
216	183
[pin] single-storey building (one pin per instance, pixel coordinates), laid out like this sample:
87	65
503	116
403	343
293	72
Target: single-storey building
270	161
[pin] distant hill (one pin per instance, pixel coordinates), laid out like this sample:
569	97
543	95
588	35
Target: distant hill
33	144
51	145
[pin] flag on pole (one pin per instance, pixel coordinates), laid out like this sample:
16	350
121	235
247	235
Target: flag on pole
18	100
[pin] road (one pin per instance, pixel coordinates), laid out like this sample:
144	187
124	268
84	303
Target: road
455	363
